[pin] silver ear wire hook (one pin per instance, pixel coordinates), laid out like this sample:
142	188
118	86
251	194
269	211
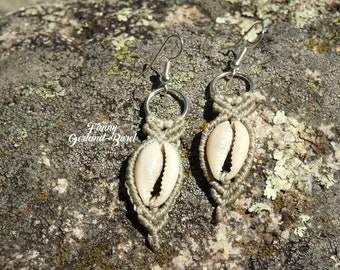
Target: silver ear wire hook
257	40
235	64
166	74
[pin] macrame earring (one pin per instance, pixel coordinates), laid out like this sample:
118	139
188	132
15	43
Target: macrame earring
154	173
227	144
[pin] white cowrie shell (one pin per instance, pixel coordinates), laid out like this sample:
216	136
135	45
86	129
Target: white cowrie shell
223	139
154	161
218	146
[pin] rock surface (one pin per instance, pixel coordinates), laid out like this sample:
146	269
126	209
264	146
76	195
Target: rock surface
70	68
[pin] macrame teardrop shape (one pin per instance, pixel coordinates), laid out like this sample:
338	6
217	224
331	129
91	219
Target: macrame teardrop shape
227	149
154	175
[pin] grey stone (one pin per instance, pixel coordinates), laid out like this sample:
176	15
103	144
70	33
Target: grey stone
64	66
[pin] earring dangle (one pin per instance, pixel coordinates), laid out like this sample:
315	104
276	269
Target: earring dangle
227	144
154	173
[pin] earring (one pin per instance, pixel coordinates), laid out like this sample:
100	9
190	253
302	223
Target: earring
154	173
227	144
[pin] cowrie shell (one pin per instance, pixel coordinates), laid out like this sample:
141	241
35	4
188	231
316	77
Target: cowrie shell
156	172
227	140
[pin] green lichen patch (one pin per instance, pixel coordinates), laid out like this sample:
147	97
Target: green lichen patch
333	29
43	195
180	79
314	79
316	44
60	123
19	137
94	256
332	34
51	89
118	71
61	254
322	40
202	102
267	251
163	256
124	53
277	203
223	43
121	44
25	212
255	69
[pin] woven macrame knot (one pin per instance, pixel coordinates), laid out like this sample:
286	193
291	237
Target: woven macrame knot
234	106
164	129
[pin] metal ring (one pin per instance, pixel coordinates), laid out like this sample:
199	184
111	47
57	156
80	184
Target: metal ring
156	91
232	75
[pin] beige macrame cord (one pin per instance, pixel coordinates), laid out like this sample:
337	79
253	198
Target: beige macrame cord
154	218
230	108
